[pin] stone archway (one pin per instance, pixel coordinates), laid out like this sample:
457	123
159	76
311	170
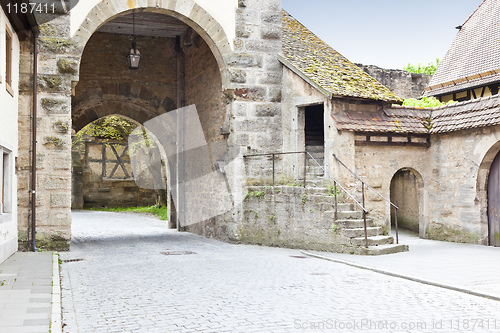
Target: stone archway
249	80
62	77
406	192
191	14
482	189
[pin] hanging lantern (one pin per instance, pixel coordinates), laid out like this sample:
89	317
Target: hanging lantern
134	57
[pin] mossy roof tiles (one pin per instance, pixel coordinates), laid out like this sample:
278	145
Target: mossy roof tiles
328	68
472	114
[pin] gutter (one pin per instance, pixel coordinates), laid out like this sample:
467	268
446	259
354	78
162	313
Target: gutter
33	143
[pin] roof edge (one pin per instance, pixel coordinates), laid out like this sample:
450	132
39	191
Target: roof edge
462	80
303	76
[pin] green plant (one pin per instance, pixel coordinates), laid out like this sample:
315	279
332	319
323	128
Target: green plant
160	211
278	232
331	191
425	102
428	69
335	228
256	216
304	198
352	252
258	194
111	128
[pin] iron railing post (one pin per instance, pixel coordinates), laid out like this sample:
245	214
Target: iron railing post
396	224
335	193
305	168
364	213
273	169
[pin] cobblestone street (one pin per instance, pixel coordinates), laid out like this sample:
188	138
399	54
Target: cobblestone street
125	284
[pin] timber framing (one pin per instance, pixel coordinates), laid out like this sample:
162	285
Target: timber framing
392	139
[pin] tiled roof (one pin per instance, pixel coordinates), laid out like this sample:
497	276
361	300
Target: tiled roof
474	54
327	68
471	114
467	115
468	84
396	120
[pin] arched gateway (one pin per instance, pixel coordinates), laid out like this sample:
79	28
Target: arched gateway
185	57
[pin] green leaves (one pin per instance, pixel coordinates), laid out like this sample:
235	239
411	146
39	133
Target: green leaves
425	102
429	69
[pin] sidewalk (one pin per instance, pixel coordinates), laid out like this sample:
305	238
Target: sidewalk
29	296
474	269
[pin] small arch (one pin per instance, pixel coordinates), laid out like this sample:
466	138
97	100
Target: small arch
407	192
482	184
195	17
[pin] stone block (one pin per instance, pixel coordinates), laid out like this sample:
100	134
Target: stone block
60	200
267	110
55	105
237	75
252	94
244	60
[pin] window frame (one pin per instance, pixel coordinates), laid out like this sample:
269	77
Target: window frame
9	45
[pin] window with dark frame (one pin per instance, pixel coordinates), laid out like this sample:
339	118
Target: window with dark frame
8	59
5	182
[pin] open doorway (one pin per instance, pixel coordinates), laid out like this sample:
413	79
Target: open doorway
405	193
315	131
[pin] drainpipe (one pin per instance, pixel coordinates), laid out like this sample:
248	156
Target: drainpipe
33	144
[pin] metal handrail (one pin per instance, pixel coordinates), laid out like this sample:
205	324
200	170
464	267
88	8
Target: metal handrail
335	183
363	185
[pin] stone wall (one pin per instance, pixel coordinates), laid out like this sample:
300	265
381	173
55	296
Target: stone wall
90	189
402	83
289	216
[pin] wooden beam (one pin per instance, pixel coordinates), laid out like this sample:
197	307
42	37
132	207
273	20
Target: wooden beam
392	144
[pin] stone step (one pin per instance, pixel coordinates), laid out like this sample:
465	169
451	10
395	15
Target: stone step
319	190
315	149
314	169
385	249
315	182
360	232
347	215
373	241
351	223
325	198
314	176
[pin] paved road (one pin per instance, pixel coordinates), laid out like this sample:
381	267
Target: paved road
125	284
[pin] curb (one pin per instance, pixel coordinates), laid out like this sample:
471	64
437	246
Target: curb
406	277
55	315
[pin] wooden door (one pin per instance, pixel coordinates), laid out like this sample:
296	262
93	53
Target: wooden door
494	202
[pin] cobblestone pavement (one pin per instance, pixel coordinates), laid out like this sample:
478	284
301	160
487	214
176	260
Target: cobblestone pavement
125	284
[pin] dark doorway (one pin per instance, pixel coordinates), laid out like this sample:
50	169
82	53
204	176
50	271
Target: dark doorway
315	132
494	202
315	126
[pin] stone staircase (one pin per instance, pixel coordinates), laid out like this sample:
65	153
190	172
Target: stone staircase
349	224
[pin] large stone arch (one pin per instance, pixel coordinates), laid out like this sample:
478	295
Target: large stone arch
187	11
482	188
135	102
